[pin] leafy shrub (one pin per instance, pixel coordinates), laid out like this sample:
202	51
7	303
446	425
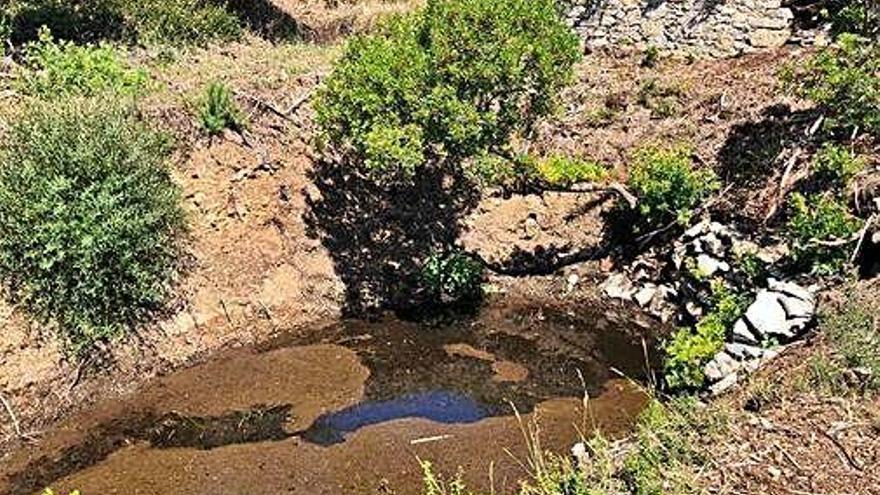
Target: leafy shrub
565	171
56	69
90	219
860	17
689	350
219	111
179	22
819	227
667	185
453	277
844	80
454	80
837	164
147	21
854	332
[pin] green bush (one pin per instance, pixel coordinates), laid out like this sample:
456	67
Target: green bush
819	227
218	110
688	350
173	22
453	277
61	68
860	17
844	80
90	219
837	164
454	80
179	22
560	170
667	185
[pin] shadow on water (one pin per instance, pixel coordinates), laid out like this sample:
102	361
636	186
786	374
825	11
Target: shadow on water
172	430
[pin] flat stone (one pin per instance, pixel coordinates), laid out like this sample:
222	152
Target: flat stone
767	316
742	334
720	366
769	38
791	289
713	245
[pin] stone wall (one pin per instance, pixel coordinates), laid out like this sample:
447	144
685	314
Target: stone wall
715	28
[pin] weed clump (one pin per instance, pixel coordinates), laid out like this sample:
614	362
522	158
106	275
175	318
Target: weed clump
687	351
60	68
668	186
218	110
820	226
837	165
561	170
451	81
453	277
90	219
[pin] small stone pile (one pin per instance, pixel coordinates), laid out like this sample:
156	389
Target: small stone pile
671	284
780	314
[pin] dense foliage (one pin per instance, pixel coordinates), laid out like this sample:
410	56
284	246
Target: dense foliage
836	165
219	111
60	68
144	21
90	220
453	277
844	80
668	186
820	227
454	80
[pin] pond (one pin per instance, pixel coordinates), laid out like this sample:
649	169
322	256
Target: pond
352	407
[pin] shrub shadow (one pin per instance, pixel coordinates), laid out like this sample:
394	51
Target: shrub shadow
267	20
379	236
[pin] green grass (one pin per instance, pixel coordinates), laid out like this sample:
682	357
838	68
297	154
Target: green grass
218	110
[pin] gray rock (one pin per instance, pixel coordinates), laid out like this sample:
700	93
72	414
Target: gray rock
791	289
767	316
720	366
743	352
724	385
742	334
645	295
618	286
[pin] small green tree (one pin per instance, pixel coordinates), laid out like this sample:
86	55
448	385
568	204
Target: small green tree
90	219
451	81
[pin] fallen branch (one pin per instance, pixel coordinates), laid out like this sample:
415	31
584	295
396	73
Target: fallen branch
846	455
867	228
15	424
265	105
589	187
648	237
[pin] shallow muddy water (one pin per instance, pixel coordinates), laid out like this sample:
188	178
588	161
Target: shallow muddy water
351	408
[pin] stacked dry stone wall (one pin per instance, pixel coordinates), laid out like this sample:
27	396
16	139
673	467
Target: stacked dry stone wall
716	28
